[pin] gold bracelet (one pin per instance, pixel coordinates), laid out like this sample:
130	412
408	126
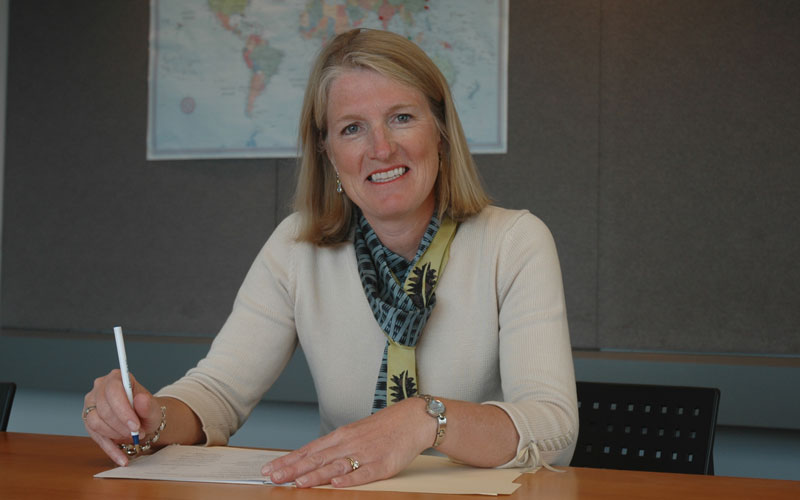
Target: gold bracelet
135	449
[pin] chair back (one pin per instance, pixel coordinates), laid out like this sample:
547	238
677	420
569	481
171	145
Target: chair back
7	390
646	427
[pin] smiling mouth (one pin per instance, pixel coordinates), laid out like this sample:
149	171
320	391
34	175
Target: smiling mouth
389	175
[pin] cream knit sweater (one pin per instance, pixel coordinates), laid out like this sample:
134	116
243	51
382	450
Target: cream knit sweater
498	335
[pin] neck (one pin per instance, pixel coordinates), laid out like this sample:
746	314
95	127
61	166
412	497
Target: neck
402	236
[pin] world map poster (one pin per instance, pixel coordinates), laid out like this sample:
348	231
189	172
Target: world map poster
227	77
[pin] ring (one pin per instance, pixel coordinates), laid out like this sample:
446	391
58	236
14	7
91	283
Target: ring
353	463
87	410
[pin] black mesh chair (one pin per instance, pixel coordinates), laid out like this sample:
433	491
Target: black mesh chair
7	390
646	427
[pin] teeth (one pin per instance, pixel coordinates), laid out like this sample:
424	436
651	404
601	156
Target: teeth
388	175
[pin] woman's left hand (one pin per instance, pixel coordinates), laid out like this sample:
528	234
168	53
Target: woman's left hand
382	445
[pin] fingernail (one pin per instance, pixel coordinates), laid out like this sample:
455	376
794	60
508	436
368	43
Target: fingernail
132	426
266	470
277	477
121	462
300	481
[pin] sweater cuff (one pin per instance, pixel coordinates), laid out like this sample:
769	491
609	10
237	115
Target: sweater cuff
533	453
212	417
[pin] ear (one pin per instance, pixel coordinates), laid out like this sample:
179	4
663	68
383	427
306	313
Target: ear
322	149
330	160
322	146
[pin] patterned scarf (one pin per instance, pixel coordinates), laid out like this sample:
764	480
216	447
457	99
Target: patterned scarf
400	294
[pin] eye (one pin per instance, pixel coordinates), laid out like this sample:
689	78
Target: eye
350	129
404	118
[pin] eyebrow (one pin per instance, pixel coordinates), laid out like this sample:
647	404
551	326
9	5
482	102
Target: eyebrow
393	109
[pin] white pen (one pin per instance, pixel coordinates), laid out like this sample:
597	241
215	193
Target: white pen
126	379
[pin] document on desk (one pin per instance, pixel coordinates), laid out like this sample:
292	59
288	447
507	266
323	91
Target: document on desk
206	464
223	464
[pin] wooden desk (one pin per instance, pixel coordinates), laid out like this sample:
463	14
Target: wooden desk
38	466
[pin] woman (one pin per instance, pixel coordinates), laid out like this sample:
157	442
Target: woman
464	301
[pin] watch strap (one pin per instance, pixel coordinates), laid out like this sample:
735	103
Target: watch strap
441	419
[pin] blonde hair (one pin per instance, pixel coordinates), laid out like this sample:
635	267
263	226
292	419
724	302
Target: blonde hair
327	216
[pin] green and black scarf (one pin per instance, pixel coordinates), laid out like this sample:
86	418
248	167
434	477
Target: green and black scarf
401	295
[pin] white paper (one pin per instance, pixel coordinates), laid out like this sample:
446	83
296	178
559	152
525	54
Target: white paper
223	464
212	464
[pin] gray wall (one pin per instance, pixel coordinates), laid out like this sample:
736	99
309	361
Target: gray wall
658	140
3	55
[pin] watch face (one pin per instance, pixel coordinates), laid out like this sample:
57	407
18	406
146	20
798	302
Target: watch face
435	407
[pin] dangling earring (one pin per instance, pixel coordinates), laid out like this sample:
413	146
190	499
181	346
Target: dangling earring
338	184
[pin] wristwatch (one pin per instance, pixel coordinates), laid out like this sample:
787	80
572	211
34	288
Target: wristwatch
435	409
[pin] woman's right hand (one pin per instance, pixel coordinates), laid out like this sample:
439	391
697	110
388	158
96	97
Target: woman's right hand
111	418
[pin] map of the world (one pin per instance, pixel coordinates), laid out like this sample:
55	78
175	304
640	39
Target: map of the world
227	76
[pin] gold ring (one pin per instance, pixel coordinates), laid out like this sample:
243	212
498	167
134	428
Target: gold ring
353	463
87	410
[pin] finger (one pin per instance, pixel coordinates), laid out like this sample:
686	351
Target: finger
149	412
324	444
363	475
110	448
93	421
148	408
324	474
284	461
137	388
88	402
95	424
118	403
102	419
106	421
286	472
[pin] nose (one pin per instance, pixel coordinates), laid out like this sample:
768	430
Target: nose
382	143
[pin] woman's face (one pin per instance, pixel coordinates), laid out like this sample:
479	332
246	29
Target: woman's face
383	141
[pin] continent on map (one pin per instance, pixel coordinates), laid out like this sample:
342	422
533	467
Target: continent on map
262	60
224	9
323	21
227	77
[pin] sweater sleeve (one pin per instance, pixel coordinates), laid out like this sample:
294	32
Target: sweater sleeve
252	348
538	378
